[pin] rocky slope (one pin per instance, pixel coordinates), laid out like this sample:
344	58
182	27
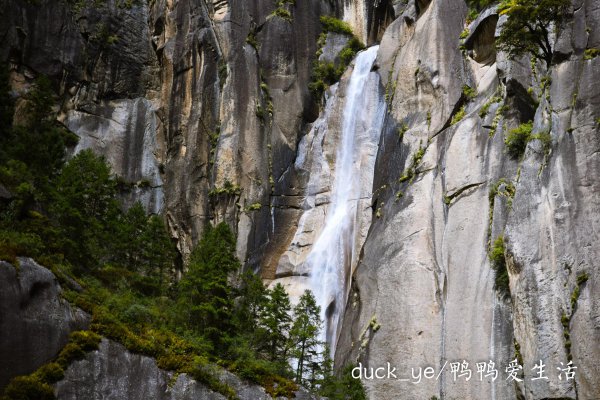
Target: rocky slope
203	108
36	322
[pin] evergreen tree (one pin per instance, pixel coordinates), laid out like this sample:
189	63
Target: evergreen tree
276	322
158	252
252	299
206	298
128	234
304	337
85	206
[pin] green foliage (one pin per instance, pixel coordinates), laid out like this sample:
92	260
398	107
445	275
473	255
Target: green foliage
517	139
6	105
251	39
13	244
304	340
324	73
498	262
486	107
228	189
528	27
479	4
590	54
69	218
283	14
332	24
276	321
205	294
458	116
208	374
468	92
37	385
402	129
85	207
344	387
28	388
410	173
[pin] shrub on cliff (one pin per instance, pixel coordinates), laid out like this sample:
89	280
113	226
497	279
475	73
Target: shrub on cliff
529	25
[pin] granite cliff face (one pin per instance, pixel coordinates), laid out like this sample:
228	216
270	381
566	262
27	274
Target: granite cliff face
203	108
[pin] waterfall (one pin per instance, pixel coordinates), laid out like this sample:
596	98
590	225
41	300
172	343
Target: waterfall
335	252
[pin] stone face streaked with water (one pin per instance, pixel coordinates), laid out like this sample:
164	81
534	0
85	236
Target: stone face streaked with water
338	155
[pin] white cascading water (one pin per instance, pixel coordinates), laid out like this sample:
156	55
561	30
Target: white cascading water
334	253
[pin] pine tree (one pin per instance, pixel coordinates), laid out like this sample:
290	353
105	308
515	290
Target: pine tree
85	206
252	300
304	337
158	252
206	298
276	322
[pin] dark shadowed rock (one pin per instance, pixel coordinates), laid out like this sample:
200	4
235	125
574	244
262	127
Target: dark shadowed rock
35	322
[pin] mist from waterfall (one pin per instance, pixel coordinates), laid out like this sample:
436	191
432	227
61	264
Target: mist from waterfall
335	252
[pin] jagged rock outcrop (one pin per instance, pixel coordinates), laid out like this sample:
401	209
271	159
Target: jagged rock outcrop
34	320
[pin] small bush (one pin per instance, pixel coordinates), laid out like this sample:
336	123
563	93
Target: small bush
50	373
28	388
283	13
468	92
460	114
14	244
589	54
517	139
331	24
208	374
498	261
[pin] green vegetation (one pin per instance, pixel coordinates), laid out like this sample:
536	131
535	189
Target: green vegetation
498	262
468	92
590	54
36	386
402	129
282	11
486	107
528	27
479	4
228	188
475	7
325	73
331	24
344	388
517	139
410	172
459	115
251	39
581	279
283	14
501	188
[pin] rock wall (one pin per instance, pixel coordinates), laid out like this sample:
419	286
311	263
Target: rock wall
34	320
425	277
